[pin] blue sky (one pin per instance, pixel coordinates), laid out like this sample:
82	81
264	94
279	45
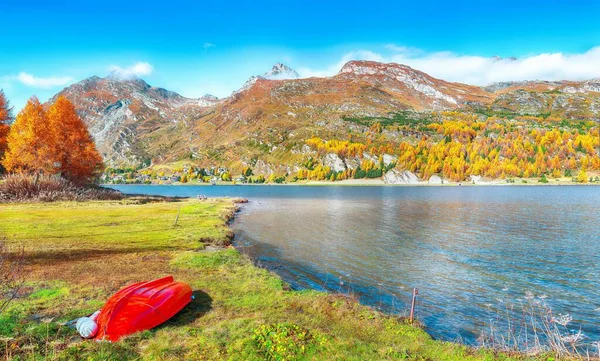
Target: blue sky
200	47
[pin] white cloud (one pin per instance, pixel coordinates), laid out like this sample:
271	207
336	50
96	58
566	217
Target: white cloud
45	83
333	69
207	46
137	69
479	70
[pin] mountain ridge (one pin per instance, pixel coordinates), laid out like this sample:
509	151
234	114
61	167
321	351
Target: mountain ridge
135	123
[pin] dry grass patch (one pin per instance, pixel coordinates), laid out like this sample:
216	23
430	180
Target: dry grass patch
45	188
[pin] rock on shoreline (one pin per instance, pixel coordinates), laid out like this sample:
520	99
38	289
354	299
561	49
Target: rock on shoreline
400	177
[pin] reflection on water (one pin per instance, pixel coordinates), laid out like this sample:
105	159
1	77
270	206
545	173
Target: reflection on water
465	248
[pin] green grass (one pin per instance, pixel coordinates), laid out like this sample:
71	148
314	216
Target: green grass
49	293
240	312
129	224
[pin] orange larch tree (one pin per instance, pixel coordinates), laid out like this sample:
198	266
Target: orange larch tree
30	142
74	150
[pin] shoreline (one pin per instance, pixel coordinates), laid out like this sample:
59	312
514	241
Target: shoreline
359	183
379	182
230	218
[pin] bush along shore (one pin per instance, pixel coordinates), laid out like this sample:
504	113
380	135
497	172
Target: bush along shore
50	188
79	253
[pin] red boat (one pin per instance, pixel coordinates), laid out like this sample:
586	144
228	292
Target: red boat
141	306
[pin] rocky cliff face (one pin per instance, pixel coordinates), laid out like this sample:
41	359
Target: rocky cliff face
523	102
121	112
530	85
573	102
400	177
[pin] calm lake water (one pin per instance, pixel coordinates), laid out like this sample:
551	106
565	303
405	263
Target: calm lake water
469	250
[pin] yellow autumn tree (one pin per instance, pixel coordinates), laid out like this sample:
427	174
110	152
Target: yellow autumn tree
582	176
226	177
30	143
75	153
458	145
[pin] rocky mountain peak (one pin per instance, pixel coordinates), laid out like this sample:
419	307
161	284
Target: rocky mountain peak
118	111
366	67
209	97
207	100
116	75
281	71
115	79
432	93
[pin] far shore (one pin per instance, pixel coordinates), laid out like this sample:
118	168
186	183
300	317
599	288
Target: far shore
380	183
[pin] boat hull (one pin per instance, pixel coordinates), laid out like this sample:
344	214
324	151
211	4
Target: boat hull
141	306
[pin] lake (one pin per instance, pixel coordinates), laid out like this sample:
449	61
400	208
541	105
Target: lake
471	251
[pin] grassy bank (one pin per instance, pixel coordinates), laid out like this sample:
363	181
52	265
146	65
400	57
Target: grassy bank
78	254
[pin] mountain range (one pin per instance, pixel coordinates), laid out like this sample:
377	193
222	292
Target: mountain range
267	121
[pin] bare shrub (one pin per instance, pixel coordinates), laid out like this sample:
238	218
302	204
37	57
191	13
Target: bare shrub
43	188
532	327
11	272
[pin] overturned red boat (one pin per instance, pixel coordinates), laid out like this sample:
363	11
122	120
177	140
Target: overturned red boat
141	306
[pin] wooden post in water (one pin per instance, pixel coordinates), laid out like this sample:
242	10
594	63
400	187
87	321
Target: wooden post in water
412	305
